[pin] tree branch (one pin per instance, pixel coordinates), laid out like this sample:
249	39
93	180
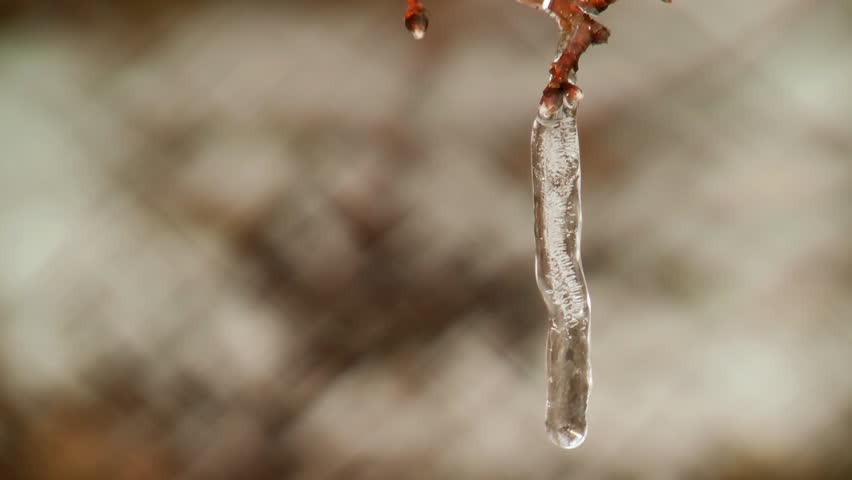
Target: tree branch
579	31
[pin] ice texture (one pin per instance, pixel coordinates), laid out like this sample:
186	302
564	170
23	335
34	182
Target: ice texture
559	273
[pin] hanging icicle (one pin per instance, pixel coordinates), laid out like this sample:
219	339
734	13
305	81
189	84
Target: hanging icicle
558	224
558	216
559	271
559	219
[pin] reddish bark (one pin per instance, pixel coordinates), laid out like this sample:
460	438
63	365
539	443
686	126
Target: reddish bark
575	20
581	30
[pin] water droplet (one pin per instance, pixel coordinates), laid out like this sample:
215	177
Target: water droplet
566	437
573	95
417	21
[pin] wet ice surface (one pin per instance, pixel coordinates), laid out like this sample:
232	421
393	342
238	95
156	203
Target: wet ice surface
559	272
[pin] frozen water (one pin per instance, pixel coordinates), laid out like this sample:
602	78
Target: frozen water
559	272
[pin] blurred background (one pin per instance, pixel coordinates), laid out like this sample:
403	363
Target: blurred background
282	239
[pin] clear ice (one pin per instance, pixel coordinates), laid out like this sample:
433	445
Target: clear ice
559	271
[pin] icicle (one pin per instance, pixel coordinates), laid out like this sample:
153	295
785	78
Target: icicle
558	223
558	219
559	272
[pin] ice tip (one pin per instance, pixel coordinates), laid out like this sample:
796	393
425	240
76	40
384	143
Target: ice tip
566	437
417	22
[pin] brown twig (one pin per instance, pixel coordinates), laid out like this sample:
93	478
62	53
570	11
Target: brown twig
579	31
